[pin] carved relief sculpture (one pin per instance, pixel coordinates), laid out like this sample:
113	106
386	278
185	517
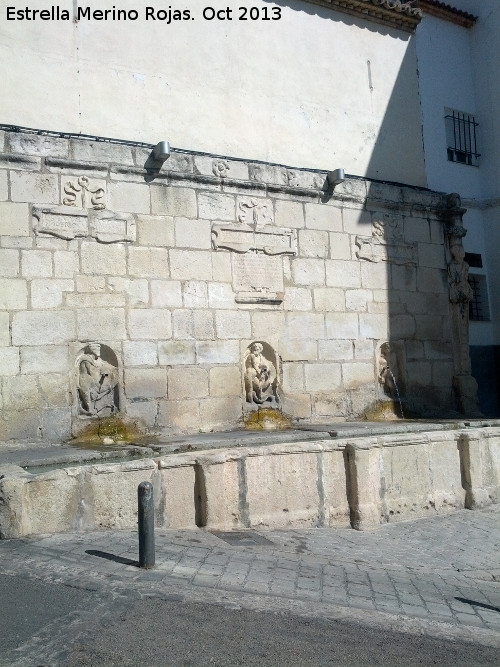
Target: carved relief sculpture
81	187
97	381
260	375
460	294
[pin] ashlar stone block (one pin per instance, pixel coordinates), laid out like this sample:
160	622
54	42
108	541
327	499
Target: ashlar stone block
225	381
335	350
33	187
319	216
341	326
9	262
184	415
218	352
149	324
221	295
140	353
9	360
142	383
101	259
308	271
13	294
148	262
329	299
342	273
187	383
14	219
4	327
298	298
340	246
195	294
135	291
102	323
189	264
313	243
305	325
216	206
357	374
166	200
129	197
20	392
193	234
155	230
48	293
289	214
44	359
176	352
232	324
166	293
44	327
322	377
36	263
66	263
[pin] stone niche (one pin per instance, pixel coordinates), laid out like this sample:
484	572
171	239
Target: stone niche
260	376
97	381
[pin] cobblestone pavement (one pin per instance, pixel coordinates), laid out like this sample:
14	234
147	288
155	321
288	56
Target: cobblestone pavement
439	576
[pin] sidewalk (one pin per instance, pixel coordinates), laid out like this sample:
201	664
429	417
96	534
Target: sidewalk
438	576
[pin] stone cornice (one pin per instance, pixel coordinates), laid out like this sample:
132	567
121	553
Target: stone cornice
446	12
394	13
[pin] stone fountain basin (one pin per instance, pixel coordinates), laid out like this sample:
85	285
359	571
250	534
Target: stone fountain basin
358	475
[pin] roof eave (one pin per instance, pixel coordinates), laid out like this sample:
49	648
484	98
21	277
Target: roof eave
394	13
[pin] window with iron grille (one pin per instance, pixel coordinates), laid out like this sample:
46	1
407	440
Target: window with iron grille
461	137
479	310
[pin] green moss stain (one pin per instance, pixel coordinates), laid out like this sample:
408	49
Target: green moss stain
267	419
110	430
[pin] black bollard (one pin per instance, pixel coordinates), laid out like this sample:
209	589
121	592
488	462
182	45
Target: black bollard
146	520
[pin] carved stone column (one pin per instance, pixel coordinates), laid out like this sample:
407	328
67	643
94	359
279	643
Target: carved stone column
460	293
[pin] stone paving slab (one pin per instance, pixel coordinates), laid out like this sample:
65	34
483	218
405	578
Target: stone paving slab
438	576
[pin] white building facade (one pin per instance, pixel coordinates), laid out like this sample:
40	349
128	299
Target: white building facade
457	51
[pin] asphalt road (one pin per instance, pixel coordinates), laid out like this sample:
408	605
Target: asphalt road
49	624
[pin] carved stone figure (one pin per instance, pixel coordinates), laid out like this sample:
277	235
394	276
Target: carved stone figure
460	293
260	376
97	383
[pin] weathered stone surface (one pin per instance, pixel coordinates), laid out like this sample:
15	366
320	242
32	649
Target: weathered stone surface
101	259
32	187
149	324
322	377
13	294
178	493
187	383
225	381
176	352
192	234
43	327
48	293
106	323
282	490
155	230
173	201
143	383
184	264
148	263
4	329
140	353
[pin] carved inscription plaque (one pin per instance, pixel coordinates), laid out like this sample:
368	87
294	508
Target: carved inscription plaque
243	238
62	222
258	278
68	223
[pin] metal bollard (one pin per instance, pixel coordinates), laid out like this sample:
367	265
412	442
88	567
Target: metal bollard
146	521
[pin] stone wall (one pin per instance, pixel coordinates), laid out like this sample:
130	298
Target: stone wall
361	482
160	277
